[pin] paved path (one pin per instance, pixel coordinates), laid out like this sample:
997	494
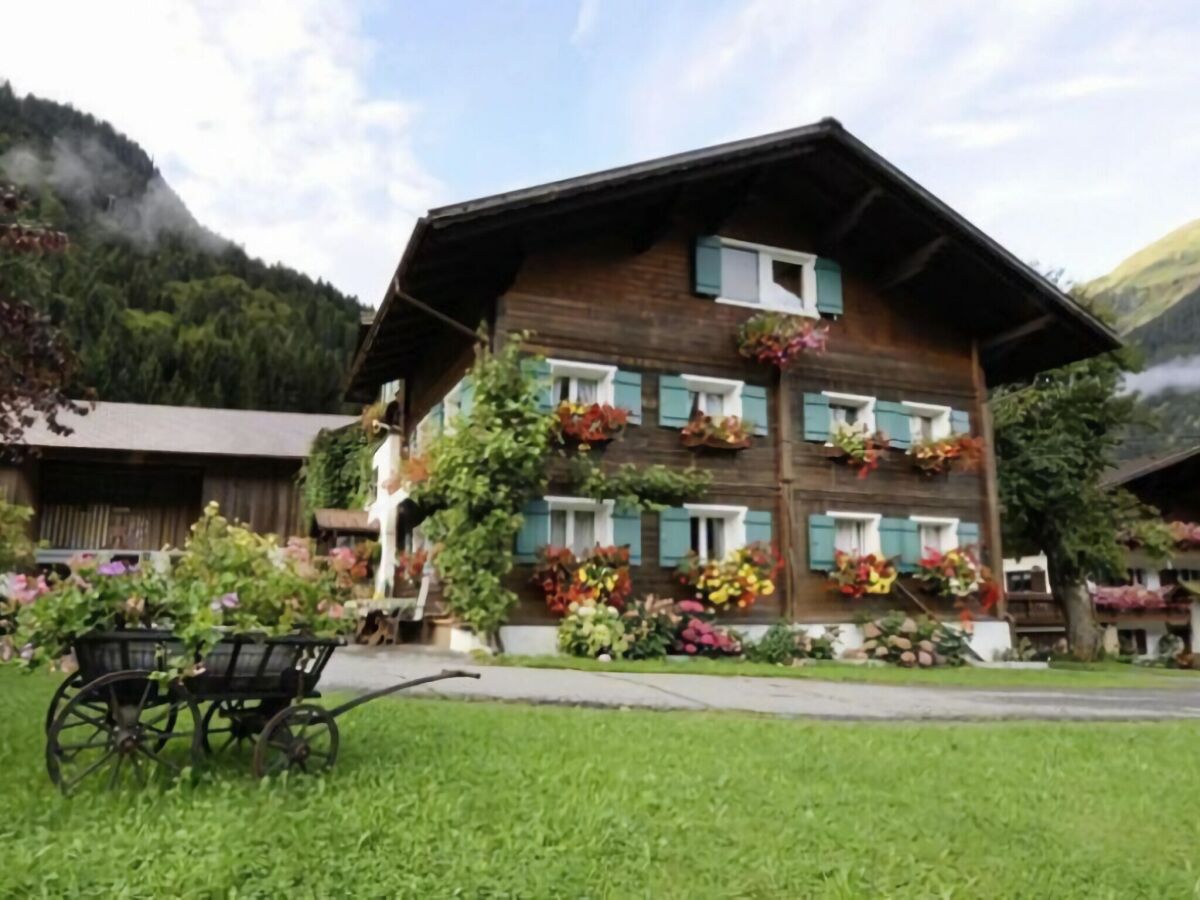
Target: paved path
359	669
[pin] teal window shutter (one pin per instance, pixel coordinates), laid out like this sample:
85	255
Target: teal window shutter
627	532
816	417
898	539
540	369
674	402
960	421
829	287
466	397
893	420
758	526
708	266
821	530
535	530
754	407
627	394
438	418
968	534
674	536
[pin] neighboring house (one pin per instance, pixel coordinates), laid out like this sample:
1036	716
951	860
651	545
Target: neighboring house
634	281
132	478
1171	484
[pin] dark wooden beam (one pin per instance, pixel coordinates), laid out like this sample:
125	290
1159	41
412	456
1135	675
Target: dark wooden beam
848	221
655	221
724	202
997	341
437	314
912	265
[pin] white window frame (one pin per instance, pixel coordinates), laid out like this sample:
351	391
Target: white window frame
731	389
603	510
452	406
766	254
565	368
874	543
939	414
421	435
865	405
733	520
949	526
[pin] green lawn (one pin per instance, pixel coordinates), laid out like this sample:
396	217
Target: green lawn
436	799
1060	675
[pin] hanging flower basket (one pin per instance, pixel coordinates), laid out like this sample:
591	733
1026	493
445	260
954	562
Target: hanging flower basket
939	456
860	449
729	433
584	423
778	339
855	576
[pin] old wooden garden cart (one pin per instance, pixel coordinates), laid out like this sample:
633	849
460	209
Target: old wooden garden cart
118	718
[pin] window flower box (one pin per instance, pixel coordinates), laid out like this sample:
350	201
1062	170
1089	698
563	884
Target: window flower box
779	339
1135	598
738	580
727	433
601	577
860	449
588	423
855	576
940	455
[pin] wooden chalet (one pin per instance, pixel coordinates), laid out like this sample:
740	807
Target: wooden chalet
131	478
633	282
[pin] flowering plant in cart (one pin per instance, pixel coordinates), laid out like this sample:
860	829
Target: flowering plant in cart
738	580
589	423
600	577
857	575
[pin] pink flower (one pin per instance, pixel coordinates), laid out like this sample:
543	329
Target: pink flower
690	606
25	590
690	648
112	568
709	640
342	559
336	611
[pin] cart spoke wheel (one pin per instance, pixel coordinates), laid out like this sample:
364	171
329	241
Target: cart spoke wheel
62	695
303	738
231	725
122	728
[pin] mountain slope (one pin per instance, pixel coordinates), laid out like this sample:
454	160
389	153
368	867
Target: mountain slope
1152	280
161	309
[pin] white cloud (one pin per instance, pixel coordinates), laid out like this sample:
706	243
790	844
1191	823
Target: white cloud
585	20
1181	374
258	115
979	134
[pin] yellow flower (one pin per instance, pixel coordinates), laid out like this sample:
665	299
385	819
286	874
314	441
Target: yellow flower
766	588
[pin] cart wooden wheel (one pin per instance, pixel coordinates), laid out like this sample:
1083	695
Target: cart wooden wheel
231	725
303	737
67	689
122	727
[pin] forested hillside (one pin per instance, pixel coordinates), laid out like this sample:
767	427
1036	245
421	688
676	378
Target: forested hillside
162	310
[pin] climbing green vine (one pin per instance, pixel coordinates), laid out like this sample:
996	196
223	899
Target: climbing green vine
650	488
480	477
338	472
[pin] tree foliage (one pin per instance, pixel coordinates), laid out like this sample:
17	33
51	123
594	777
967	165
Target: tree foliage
480	477
337	474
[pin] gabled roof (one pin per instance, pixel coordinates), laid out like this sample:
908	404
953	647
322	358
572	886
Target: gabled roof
150	428
461	256
1136	469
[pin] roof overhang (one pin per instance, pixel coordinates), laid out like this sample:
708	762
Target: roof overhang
865	210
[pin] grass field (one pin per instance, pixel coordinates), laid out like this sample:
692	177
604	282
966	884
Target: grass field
1066	675
438	799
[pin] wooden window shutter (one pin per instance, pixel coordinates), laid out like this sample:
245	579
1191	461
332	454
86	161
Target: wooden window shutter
674	402
893	420
821	531
437	417
466	397
674	536
758	526
816	417
829	287
960	421
968	534
754	407
535	530
627	394
540	369
627	532
708	266
899	540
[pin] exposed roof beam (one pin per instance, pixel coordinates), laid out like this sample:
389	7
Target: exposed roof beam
656	221
912	265
997	341
437	314
849	220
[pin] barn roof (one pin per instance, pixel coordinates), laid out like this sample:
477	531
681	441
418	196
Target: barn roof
867	211
1136	469
188	429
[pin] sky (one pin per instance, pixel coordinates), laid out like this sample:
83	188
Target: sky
316	133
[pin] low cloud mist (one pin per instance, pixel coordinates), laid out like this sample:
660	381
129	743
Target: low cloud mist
1181	374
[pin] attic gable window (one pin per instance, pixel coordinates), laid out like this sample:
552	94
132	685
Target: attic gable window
768	278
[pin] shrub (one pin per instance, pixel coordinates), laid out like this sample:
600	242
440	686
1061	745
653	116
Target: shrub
699	636
592	630
900	639
651	625
783	643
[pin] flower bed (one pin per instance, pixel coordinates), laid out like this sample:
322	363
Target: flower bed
728	433
938	457
583	423
700	636
600	577
860	449
738	580
778	339
855	576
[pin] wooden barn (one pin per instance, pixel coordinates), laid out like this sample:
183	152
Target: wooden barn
132	478
634	282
